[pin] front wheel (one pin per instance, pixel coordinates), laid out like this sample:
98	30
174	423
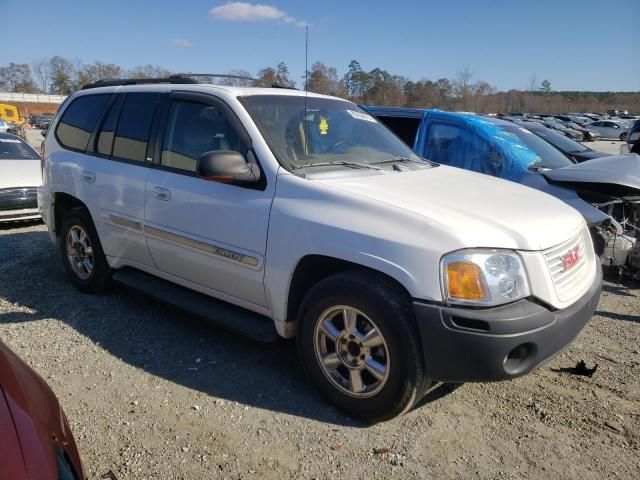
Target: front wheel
358	341
81	252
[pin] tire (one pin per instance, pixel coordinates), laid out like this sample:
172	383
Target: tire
77	235
623	136
376	304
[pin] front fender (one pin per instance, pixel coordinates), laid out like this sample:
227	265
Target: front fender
312	218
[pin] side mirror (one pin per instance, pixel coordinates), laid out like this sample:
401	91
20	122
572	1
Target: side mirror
226	167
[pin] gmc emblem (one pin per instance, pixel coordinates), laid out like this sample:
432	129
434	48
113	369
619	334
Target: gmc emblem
570	259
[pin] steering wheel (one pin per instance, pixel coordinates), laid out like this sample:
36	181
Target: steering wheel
336	145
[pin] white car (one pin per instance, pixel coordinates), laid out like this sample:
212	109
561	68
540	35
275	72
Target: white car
4	126
614	129
20	175
275	212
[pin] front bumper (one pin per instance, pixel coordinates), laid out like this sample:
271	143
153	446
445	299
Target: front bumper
477	345
18	204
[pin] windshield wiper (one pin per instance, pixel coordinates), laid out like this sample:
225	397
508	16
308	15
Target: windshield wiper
405	159
342	162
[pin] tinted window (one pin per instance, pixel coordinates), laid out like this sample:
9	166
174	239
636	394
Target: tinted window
195	128
106	135
442	140
79	120
132	133
13	148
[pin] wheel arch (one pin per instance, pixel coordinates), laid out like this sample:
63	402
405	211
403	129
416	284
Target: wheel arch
313	268
62	203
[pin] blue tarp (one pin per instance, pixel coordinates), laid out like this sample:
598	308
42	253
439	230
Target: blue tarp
482	146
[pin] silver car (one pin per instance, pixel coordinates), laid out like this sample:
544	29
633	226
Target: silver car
615	129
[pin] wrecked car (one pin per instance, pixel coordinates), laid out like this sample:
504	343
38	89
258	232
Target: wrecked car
606	191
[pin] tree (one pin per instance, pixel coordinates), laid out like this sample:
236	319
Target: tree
384	88
17	78
148	71
237	82
41	73
545	86
268	75
98	71
464	87
532	83
62	75
276	76
356	81
324	80
282	75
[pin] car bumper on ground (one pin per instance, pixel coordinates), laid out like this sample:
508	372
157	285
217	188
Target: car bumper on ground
18	204
476	345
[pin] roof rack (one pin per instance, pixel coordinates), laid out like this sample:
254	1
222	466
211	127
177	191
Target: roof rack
237	77
178	78
114	82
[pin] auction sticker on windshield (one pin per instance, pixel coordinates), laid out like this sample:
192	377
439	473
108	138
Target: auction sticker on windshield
362	116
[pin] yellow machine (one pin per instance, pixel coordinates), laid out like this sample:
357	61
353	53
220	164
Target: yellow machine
9	113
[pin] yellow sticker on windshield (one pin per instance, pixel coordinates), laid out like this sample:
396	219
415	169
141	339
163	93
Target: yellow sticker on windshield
324	126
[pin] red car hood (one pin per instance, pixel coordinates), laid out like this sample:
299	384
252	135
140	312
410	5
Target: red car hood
32	425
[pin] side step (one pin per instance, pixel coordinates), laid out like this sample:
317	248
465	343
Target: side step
236	319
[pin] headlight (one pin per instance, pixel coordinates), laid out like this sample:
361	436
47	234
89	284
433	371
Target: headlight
634	137
483	277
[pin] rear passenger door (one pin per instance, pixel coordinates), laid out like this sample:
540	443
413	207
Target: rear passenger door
210	234
115	175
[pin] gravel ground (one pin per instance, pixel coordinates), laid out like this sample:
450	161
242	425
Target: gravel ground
151	393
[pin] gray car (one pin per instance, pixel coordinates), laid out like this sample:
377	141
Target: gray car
614	129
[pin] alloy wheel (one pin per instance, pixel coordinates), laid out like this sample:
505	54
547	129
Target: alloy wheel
351	351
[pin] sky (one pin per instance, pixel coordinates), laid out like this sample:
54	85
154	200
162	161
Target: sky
575	44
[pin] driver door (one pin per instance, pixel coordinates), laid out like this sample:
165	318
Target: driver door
211	234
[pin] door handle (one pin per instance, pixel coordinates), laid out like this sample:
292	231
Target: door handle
87	176
161	193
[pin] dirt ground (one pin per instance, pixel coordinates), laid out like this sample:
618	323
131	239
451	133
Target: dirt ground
153	394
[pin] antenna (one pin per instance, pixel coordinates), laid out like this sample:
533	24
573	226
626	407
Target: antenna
306	88
306	58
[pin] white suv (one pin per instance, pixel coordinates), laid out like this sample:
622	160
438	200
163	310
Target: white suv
263	207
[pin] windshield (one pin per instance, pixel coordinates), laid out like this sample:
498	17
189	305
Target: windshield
560	141
16	149
303	132
548	156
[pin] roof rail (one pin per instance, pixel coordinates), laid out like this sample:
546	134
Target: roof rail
114	82
237	77
178	78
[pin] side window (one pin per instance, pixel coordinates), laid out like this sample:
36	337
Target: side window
442	141
132	133
192	129
79	120
107	132
461	147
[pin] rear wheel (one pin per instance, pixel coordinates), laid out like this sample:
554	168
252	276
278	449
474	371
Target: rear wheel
81	252
359	343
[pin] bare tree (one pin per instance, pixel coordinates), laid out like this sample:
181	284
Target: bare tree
41	73
464	86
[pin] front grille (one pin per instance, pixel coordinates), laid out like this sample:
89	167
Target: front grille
569	279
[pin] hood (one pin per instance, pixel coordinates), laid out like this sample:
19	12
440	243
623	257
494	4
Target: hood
20	173
37	419
615	176
480	210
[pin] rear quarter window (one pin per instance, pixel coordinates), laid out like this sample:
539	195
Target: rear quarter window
79	120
